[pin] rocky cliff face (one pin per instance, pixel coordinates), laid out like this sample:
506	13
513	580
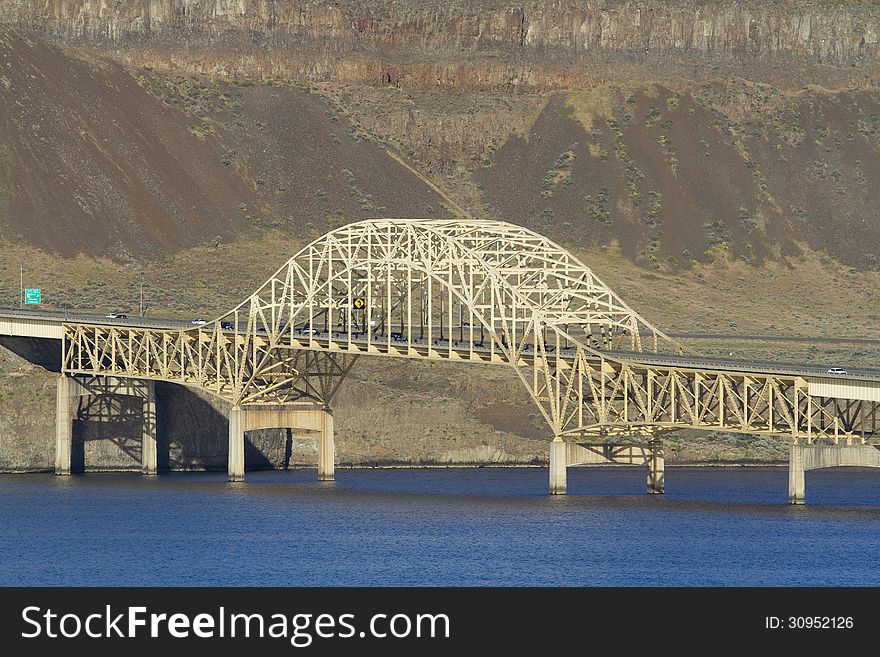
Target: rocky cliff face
833	32
463	42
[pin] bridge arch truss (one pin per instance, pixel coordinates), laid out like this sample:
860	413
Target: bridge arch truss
467	291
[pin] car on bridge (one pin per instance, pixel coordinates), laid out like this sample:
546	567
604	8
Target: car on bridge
837	370
116	316
199	321
226	326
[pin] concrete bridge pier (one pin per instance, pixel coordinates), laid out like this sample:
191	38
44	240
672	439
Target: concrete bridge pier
650	455
812	457
149	450
235	465
558	466
656	463
796	487
63	426
327	448
297	418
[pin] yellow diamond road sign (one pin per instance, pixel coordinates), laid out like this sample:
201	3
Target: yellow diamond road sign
359	303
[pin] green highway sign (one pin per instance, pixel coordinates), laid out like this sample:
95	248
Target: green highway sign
33	296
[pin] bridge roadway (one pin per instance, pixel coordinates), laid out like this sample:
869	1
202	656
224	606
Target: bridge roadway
670	360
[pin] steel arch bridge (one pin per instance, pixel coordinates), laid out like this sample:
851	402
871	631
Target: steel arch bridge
470	291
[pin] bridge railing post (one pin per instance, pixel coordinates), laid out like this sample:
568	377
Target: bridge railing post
558	466
63	426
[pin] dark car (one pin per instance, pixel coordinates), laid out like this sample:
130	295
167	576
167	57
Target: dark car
226	326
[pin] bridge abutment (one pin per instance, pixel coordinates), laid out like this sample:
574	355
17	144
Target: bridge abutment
63	426
813	457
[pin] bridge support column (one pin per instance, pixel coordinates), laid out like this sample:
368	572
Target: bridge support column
813	457
236	445
149	451
656	463
327	449
796	487
63	426
558	466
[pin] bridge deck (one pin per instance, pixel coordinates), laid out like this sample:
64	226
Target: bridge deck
48	324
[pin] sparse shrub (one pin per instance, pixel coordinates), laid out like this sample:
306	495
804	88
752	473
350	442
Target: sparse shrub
597	206
559	174
655	209
747	220
717	234
798	213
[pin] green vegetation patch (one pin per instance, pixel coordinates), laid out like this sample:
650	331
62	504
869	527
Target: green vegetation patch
559	176
597	206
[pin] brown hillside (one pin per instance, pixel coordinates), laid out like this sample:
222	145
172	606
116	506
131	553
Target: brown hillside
90	162
728	167
98	161
314	168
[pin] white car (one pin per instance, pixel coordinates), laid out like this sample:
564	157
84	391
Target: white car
199	322
837	370
116	316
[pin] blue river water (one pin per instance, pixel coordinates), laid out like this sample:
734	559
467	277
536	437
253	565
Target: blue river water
461	527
